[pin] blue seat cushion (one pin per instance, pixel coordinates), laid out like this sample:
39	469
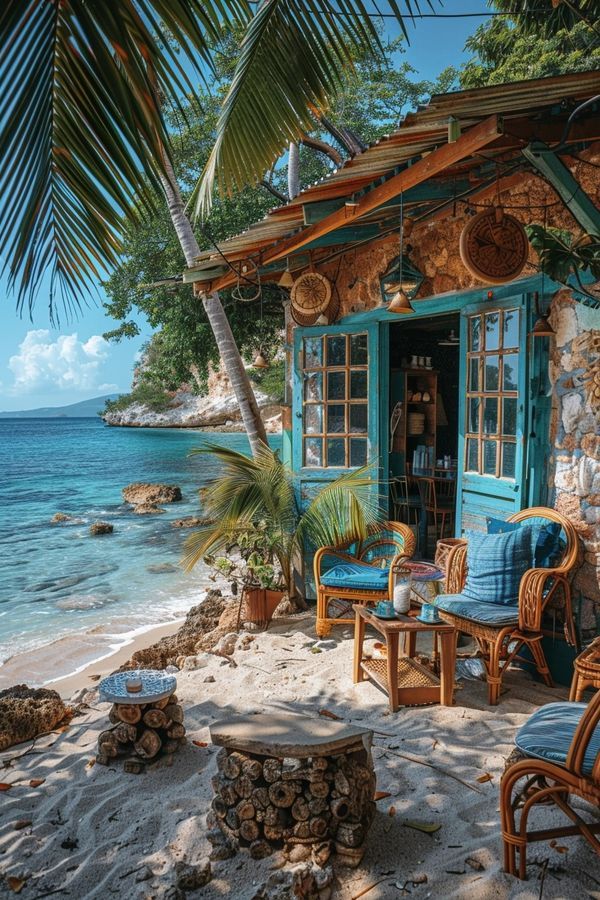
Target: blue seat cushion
548	733
485	613
547	544
357	576
495	565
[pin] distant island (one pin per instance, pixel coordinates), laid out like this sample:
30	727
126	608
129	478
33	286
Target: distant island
82	410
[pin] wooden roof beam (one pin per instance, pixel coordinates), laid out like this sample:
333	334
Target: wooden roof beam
469	142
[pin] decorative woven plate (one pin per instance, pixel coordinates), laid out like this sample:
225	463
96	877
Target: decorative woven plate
155	686
423	571
331	313
310	293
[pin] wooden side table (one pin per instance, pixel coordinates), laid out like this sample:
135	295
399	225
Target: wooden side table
406	681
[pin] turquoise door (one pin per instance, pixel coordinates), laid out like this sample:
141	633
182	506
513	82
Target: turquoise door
337	406
494	411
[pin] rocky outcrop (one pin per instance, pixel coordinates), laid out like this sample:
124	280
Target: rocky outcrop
200	621
192	522
26	712
101	528
141	493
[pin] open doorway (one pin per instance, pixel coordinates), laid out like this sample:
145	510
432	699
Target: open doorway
424	425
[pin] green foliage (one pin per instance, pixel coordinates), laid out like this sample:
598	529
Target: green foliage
507	49
271	380
255	499
561	256
145	393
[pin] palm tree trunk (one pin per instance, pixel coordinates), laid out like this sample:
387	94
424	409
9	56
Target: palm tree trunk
230	355
293	171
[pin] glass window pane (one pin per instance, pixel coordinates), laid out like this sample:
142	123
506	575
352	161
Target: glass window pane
511	328
358	385
313	386
492	364
336	385
313	352
490	416
359	352
472	463
474	374
336	418
511	371
313	451
336	452
358	452
473	423
489	457
509	456
492	331
313	419
509	415
336	350
358	418
475	333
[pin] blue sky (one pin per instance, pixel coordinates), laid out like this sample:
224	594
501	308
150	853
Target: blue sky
43	365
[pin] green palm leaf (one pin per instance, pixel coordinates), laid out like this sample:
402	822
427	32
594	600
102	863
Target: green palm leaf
82	134
292	62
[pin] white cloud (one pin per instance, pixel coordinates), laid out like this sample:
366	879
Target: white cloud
62	364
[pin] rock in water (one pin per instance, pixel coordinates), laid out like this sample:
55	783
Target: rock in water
61	517
147	509
140	492
191	522
26	712
101	528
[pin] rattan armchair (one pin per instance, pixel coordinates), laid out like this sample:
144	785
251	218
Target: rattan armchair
568	735
361	572
499	644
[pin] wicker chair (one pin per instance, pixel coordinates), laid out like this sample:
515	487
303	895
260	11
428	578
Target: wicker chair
587	671
361	572
500	642
561	745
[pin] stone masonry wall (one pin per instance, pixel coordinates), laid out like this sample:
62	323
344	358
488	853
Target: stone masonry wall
575	477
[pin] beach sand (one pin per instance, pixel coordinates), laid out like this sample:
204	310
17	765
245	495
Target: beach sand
92	832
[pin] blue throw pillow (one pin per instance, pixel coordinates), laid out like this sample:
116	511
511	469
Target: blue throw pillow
496	563
547	546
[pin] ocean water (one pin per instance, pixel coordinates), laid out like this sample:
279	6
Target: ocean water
57	580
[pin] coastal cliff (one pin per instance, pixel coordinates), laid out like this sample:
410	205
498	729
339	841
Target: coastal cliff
217	409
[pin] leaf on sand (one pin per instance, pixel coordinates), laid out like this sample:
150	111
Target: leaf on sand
425	827
483	778
22	823
90	763
36	782
5	786
381	795
200	743
560	848
392	811
329	715
15	884
474	864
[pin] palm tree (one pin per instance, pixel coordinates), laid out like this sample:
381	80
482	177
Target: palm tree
257	496
83	136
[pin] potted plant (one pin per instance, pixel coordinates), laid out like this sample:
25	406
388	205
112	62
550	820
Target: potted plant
254	508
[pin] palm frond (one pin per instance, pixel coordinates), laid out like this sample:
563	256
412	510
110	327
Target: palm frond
344	510
83	138
293	58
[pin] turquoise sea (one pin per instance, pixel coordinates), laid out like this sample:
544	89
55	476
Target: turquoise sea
57	580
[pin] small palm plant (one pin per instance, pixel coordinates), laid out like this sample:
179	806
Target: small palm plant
257	496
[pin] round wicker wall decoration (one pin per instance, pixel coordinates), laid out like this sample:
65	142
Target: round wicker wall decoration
310	293
494	246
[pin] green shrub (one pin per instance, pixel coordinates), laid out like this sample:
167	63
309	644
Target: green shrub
271	380
147	394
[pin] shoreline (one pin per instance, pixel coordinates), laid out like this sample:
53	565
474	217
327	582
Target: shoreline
91	654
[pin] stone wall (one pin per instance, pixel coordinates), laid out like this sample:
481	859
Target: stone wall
575	476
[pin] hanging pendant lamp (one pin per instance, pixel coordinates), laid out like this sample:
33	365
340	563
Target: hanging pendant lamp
287	279
400	302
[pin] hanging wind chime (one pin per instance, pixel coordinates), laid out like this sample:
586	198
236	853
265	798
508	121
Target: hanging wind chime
400	302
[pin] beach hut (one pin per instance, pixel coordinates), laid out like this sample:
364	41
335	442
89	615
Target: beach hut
420	331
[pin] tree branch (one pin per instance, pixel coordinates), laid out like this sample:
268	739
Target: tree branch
344	136
273	190
323	147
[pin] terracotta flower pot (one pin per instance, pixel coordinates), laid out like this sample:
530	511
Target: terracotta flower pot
260	604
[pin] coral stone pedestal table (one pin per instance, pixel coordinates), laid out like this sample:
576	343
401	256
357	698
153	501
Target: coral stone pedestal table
146	719
406	681
305	785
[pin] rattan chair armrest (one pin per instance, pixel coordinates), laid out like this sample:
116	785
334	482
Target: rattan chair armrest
583	734
456	569
329	551
533	599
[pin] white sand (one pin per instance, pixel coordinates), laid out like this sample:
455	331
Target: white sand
125	826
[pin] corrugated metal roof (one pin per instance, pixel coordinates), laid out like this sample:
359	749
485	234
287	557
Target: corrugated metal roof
419	133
